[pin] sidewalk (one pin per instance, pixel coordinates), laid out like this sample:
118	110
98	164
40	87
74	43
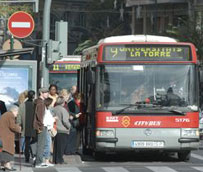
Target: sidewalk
20	165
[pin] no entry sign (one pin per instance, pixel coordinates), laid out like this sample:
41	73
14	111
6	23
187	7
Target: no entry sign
21	24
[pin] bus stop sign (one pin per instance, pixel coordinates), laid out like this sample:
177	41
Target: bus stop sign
21	24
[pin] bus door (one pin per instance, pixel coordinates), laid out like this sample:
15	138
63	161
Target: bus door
88	92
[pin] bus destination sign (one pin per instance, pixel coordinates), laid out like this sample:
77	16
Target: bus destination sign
63	67
129	52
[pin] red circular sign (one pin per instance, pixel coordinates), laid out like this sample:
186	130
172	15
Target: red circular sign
21	24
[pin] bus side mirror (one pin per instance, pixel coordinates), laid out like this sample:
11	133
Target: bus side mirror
90	77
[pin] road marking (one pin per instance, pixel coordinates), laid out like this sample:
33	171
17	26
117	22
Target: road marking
161	169
69	169
114	169
198	168
20	24
197	156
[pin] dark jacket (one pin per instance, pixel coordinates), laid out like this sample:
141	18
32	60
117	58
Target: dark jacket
25	118
8	127
39	114
73	108
2	107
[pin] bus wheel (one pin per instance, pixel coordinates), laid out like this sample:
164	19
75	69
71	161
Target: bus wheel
99	156
86	151
184	155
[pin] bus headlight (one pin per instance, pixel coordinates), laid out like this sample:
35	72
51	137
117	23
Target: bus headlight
105	133
190	132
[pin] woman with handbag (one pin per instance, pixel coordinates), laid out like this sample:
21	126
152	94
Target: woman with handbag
73	107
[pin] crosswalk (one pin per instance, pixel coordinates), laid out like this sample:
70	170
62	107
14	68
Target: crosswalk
134	169
192	166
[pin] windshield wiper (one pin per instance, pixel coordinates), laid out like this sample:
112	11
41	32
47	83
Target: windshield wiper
138	105
121	110
142	105
177	112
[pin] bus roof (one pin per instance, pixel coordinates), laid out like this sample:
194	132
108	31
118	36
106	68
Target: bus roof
136	38
71	58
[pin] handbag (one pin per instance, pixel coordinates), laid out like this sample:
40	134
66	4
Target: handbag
53	132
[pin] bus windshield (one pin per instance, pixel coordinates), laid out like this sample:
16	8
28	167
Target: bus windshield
63	80
163	85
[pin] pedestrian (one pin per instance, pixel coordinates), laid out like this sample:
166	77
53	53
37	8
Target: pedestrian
39	126
67	95
73	90
8	128
25	119
49	124
53	93
74	137
63	128
21	99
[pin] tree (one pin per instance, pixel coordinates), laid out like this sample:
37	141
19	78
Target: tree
83	45
189	30
105	18
6	9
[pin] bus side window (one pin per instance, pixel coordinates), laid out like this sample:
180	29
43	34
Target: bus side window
90	89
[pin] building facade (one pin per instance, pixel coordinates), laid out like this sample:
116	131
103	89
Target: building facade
154	16
71	11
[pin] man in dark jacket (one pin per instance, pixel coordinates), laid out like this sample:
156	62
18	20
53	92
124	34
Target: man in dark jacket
39	126
25	119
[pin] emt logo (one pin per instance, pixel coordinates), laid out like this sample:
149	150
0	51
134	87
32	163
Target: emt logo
125	121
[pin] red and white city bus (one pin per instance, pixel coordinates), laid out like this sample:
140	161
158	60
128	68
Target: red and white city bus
63	72
140	92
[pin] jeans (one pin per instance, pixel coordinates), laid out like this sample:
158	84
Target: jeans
40	146
47	146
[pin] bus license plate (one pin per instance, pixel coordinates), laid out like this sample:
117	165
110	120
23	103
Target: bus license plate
147	144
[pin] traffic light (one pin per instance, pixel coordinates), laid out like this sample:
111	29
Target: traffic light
57	49
53	53
61	34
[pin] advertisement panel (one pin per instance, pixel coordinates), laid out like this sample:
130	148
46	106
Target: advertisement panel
16	76
12	83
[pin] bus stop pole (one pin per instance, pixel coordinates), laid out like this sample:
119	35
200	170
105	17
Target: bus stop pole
46	37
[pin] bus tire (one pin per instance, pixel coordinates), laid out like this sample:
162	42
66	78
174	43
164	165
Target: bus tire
99	156
86	151
184	155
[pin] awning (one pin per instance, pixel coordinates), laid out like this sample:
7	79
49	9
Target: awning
130	3
14	52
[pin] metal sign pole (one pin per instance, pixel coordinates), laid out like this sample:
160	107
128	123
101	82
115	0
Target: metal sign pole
46	36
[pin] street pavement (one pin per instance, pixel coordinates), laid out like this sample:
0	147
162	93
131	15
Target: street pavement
137	162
